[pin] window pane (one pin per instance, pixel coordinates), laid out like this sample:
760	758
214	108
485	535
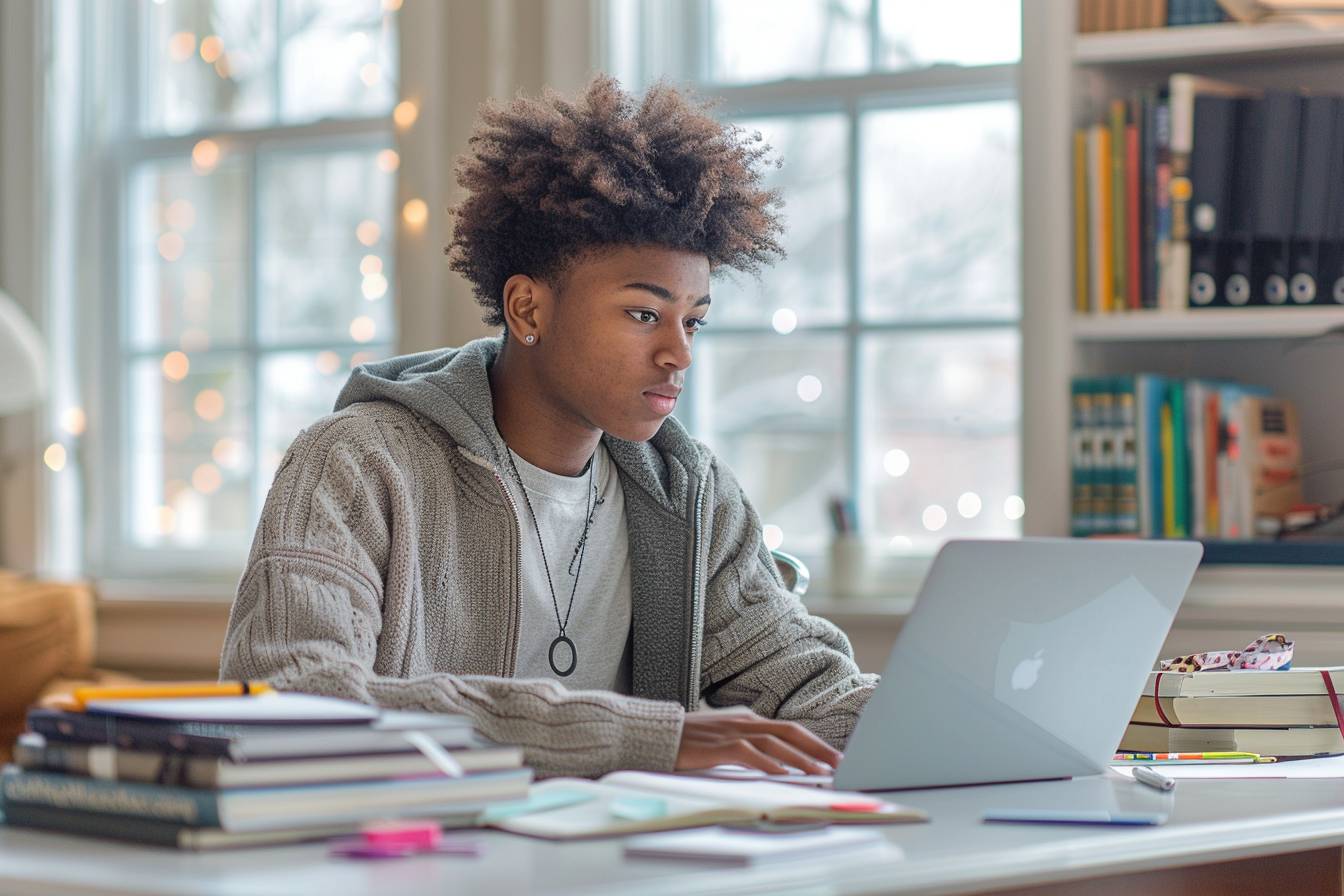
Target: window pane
207	63
773	408
188	255
764	40
336	59
810	283
325	248
188	449
297	388
916	33
940	212
939	449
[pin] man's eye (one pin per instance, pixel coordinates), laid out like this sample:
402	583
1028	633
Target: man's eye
644	316
696	323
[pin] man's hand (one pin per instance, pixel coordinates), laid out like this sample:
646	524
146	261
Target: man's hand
711	737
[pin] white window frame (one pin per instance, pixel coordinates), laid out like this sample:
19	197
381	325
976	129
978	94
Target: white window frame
678	46
111	554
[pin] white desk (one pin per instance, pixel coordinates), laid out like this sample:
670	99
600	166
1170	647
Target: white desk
1295	838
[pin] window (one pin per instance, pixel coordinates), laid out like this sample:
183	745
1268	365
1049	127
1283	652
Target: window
879	362
253	267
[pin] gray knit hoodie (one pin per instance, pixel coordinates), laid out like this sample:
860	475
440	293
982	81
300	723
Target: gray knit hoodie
385	569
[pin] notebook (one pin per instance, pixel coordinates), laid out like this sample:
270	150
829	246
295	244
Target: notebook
638	802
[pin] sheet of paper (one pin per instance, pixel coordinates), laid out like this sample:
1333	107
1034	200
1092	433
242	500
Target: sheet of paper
742	773
1323	767
724	845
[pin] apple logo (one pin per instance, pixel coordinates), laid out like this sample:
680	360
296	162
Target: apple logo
1024	676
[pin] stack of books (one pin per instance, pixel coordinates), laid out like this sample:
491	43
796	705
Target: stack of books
240	771
1163	457
1287	713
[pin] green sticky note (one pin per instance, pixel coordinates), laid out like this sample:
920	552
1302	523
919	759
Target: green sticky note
637	808
540	802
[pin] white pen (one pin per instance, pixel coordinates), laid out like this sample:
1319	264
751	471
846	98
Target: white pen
1145	775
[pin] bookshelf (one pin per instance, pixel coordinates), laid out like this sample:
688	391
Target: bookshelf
1296	351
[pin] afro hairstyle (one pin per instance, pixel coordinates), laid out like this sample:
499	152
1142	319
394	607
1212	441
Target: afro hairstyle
549	180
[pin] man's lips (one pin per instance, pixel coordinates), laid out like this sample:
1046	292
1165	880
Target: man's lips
662	400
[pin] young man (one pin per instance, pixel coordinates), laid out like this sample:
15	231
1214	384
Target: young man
516	529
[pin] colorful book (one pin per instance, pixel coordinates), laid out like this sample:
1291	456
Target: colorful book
1126	456
1083	523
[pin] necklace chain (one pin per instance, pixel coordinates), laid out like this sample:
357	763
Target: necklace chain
580	549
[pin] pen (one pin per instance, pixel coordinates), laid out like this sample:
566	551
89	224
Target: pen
161	691
1145	775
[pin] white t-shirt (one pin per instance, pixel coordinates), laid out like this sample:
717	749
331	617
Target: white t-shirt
599	623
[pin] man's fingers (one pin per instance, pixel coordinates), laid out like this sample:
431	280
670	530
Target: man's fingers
746	753
798	736
778	749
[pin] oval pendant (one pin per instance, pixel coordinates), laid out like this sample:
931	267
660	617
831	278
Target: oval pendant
573	656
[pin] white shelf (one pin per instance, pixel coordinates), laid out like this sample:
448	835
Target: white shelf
1207	324
1228	41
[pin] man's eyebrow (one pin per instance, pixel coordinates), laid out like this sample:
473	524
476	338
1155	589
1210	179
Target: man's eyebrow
663	294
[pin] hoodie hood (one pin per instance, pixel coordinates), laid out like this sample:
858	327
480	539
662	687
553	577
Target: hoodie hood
451	388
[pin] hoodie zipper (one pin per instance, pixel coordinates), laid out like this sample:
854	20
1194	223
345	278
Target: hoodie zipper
512	664
691	696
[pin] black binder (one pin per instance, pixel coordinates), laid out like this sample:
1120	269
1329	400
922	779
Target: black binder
1276	189
1332	249
1311	218
1235	274
1210	193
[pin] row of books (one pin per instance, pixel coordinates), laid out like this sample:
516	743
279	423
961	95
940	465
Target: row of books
1126	15
1161	457
1202	193
1286	713
224	772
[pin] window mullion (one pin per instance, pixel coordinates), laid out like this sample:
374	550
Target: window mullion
252	324
853	253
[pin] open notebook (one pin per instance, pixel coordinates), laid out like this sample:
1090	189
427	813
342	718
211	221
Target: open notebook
637	802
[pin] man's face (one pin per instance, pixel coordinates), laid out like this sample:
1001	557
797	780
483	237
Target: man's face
619	341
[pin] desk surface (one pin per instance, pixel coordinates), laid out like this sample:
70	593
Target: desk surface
953	853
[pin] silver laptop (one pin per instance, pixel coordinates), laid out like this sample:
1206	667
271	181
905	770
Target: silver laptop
1021	660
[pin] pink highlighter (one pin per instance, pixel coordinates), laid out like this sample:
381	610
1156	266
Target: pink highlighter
399	839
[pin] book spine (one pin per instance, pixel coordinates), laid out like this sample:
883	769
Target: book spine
1080	247
94	729
198	808
1212	508
1161	198
1081	459
1133	225
93	824
1168	472
1103	482
1107	217
1126	458
1180	462
1119	204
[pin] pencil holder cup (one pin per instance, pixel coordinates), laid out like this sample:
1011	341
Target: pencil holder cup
848	571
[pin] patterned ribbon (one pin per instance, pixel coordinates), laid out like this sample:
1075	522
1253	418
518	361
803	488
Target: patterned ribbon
1267	653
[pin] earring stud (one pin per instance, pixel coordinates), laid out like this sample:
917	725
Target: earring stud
530	338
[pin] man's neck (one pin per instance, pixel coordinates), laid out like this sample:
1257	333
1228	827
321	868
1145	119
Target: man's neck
537	430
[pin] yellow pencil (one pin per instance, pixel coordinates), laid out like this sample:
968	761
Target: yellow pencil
183	689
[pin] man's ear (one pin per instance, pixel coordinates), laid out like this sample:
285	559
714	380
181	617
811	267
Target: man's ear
527	308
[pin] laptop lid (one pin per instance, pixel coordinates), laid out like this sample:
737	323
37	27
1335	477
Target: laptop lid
1021	660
